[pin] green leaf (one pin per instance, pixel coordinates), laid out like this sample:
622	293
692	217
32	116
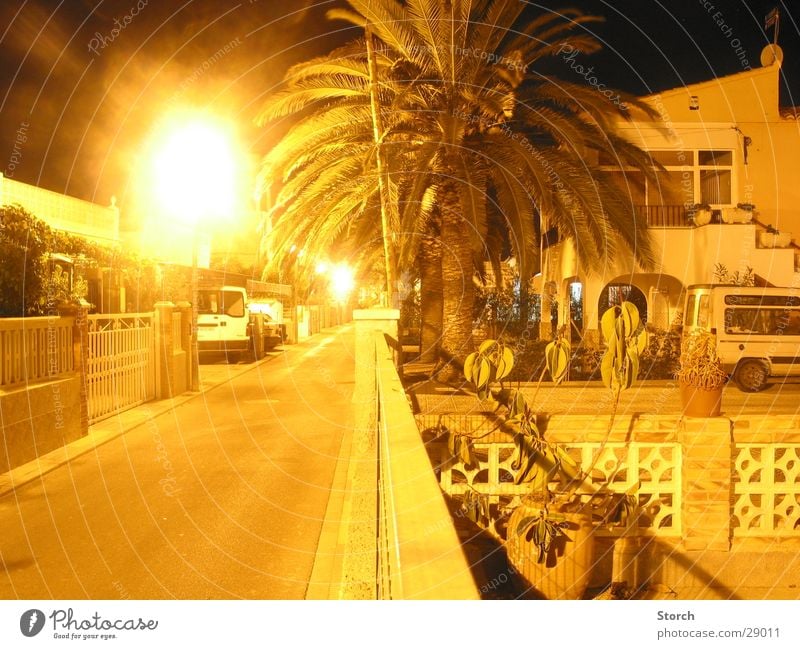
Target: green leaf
484	373
469	364
499	370
641	341
631	317
519	403
486	345
557	359
619	352
528	464
607	370
466	454
504	362
519	450
508	357
525	524
633	367
607	323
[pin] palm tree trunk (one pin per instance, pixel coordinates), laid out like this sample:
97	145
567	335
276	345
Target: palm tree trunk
458	289
430	270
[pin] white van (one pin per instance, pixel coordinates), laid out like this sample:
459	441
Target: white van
227	322
222	320
757	329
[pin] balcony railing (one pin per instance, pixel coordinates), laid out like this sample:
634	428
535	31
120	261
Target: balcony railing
664	216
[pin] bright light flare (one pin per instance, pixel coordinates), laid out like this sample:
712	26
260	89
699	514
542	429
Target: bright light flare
195	170
342	281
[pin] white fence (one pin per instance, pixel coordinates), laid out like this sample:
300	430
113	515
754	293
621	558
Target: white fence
34	349
653	470
121	363
767	490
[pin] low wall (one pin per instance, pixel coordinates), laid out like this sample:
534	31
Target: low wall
38	419
419	549
720	497
399	537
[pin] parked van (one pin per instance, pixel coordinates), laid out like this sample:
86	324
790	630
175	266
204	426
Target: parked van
227	322
757	329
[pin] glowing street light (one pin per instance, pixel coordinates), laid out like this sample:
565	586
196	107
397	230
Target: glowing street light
195	176
195	170
342	281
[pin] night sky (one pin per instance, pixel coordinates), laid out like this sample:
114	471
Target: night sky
88	111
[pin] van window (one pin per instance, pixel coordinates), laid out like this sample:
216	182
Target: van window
208	302
691	311
232	304
763	300
703	312
764	322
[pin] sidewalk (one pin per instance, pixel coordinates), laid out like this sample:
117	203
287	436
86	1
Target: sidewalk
211	376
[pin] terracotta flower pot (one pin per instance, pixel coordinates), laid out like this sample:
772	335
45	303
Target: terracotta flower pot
699	402
567	568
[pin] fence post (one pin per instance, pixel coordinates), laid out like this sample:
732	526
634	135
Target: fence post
185	309
80	347
164	343
707	447
80	356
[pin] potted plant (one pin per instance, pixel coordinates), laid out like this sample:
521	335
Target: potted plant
774	238
700	214
701	375
742	213
739	278
550	532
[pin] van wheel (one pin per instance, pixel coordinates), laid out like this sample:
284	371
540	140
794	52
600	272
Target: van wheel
751	375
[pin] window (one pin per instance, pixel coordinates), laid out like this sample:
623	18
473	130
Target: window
762	322
691	305
715	175
703	311
208	302
232	304
689	177
763	300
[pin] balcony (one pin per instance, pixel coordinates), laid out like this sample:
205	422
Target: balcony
664	216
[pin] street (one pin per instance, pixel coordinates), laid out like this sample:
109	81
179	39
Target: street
222	497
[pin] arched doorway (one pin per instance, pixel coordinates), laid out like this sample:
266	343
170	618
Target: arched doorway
575	292
615	293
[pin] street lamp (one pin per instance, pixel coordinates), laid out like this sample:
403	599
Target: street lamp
195	180
342	282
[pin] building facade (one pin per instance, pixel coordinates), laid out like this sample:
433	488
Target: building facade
729	183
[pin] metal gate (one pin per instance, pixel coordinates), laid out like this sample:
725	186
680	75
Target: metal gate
120	372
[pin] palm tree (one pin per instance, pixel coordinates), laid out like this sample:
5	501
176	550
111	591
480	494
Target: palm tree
500	130
473	124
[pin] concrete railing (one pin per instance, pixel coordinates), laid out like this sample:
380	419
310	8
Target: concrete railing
419	553
34	349
400	539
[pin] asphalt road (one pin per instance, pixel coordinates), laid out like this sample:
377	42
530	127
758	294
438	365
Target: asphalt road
221	497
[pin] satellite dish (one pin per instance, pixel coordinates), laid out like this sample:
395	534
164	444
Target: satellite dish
770	54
